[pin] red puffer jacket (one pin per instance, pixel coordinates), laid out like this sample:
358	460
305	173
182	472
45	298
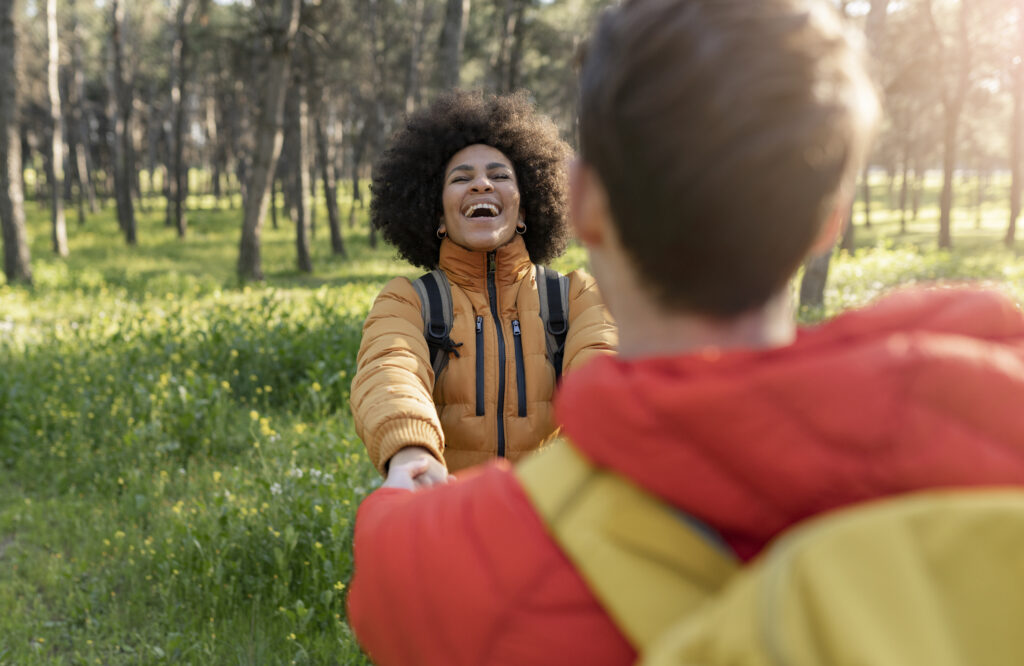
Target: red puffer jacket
924	389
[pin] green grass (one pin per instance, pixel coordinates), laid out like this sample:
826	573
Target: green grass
178	467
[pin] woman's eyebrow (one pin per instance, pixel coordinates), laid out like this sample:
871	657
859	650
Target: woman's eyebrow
461	167
497	165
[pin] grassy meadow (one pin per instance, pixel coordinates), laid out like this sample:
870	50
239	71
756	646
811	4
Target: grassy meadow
179	471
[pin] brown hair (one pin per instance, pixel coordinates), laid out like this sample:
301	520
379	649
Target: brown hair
723	132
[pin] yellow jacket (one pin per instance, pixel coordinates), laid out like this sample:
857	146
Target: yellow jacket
395	399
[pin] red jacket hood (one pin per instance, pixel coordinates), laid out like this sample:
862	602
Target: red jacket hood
923	389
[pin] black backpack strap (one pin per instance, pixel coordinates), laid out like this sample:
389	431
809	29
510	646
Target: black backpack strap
553	289
436	308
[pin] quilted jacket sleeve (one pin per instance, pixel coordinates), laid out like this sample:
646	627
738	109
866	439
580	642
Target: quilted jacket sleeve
391	391
592	330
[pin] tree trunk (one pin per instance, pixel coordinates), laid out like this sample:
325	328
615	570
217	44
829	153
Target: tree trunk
952	104
979	197
80	121
325	147
268	138
453	35
515	59
866	193
179	80
903	194
300	194
274	184
55	149
17	263
134	128
849	240
916	186
812	286
948	166
1016	175
123	159
421	18
216	155
503	62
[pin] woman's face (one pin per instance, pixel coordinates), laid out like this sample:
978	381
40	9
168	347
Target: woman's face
480	199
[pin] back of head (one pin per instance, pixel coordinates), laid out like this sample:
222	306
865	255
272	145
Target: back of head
725	133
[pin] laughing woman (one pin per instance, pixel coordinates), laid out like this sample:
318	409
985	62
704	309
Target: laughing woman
473	186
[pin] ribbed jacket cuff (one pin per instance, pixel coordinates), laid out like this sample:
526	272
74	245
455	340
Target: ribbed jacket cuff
395	436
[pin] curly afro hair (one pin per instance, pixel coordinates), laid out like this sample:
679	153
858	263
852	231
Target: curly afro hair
409	176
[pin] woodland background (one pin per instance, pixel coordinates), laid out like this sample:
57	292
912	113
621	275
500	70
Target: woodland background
188	263
120	100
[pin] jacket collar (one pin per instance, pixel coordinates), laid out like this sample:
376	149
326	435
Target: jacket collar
468	269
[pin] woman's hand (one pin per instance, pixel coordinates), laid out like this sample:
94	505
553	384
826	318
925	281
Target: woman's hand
413	468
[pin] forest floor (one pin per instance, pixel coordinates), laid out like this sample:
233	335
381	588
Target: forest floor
179	471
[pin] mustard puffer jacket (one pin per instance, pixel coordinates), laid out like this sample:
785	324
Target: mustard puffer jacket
395	399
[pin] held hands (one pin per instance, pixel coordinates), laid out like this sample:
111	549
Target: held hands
414	468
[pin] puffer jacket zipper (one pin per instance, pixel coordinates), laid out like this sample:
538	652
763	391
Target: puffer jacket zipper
479	365
492	296
517	337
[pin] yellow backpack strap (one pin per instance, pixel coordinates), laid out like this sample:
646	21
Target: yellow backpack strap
645	562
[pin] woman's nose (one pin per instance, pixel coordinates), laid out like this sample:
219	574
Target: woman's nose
482	184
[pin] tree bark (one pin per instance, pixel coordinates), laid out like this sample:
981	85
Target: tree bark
953	96
849	239
17	262
1016	175
79	119
123	158
216	154
866	193
55	149
903	193
950	126
268	138
179	81
505	67
300	182
421	18
812	286
515	58
979	197
453	35
325	146
358	149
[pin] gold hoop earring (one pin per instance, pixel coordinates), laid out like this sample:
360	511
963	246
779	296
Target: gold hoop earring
441	234
521	228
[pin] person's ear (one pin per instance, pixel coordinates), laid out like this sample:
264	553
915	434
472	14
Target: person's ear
832	229
588	204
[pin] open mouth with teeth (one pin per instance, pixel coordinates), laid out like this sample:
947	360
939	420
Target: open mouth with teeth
482	209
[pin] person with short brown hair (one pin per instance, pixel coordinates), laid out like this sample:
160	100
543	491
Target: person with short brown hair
719	141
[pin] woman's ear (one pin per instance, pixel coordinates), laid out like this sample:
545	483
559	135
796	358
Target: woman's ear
588	203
